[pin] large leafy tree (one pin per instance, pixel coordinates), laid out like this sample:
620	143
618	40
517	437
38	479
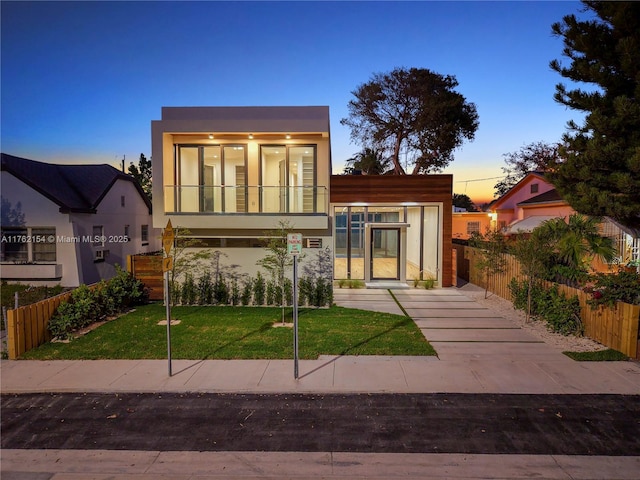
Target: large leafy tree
535	157
414	115
599	170
142	173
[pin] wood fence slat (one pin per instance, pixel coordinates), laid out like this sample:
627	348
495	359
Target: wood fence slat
12	334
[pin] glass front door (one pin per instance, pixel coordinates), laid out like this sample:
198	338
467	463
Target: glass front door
385	254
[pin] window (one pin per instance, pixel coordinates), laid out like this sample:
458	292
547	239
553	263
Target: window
97	239
473	227
211	178
28	244
534	188
122	200
14	244
288	178
230	242
144	234
44	245
126	232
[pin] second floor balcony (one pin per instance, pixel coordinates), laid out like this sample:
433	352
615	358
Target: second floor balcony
200	199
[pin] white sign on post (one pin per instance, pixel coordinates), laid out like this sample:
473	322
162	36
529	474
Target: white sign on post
294	243
294	247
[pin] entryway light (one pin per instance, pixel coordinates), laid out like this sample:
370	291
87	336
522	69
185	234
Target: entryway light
211	135
251	136
288	136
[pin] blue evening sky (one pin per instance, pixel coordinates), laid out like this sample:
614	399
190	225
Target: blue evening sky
81	81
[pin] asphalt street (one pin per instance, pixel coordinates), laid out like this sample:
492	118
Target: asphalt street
382	423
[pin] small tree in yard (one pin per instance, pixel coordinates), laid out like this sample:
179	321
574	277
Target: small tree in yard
492	247
277	261
532	252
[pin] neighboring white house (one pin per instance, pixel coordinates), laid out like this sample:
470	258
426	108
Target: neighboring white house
70	224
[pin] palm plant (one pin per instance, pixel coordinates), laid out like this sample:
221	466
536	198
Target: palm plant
369	161
575	243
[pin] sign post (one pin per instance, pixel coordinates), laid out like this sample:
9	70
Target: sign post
294	247
168	236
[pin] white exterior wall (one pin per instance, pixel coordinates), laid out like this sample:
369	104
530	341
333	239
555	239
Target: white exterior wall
39	211
247	259
113	217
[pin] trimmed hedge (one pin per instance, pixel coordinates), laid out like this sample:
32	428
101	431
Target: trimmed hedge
88	305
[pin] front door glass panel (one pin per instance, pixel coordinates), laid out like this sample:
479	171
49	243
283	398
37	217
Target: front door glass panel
385	254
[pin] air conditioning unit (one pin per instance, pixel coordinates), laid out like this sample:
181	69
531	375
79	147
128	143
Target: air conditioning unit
101	254
313	242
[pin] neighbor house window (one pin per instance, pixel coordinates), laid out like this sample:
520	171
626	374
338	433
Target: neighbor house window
44	246
122	200
28	244
534	188
14	244
144	234
473	227
126	232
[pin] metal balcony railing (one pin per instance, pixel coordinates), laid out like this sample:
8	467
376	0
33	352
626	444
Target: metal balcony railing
245	199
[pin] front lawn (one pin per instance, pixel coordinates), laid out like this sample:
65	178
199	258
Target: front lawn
242	333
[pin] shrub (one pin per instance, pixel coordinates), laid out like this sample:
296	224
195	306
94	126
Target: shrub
235	292
86	306
562	314
271	292
205	289
259	289
247	292
220	290
189	291
287	288
607	289
305	288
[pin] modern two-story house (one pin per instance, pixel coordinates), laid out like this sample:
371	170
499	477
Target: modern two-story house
70	224
228	175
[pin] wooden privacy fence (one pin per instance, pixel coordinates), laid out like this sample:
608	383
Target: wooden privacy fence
148	269
615	327
27	327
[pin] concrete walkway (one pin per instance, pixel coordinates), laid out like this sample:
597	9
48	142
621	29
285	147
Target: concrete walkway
478	352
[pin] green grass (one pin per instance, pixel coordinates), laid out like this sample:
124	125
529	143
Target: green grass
609	355
242	333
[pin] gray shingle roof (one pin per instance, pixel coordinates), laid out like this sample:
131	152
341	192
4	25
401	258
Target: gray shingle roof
75	188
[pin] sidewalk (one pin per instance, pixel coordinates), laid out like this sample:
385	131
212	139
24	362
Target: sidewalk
478	352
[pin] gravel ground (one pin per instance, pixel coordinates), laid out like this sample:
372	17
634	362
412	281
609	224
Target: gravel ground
537	328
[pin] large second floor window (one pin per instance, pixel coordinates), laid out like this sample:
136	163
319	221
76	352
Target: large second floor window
211	178
288	178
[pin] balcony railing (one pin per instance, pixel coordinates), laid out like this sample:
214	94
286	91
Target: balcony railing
245	199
